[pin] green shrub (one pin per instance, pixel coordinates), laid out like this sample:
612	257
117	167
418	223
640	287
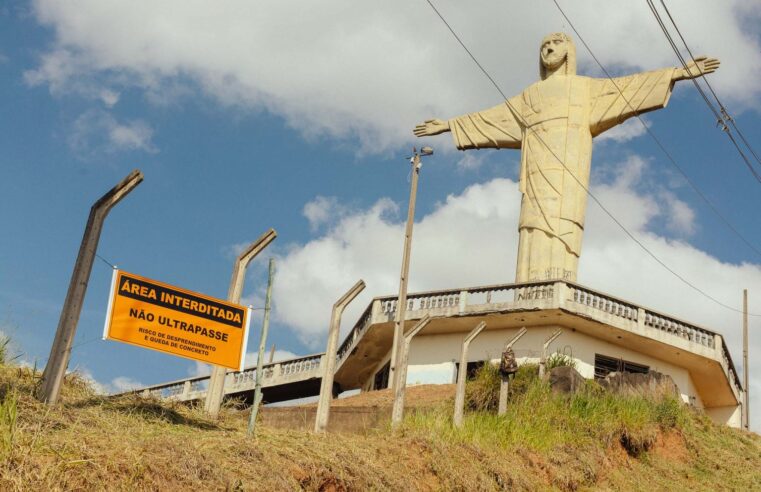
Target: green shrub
560	360
482	392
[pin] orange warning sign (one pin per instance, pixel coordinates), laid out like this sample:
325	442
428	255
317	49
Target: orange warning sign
161	317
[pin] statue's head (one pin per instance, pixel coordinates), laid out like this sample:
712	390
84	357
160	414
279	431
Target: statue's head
557	50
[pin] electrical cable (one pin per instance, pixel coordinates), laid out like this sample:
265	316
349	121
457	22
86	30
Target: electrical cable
718	115
518	116
725	114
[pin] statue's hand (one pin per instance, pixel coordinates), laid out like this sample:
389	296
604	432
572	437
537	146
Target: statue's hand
701	66
431	127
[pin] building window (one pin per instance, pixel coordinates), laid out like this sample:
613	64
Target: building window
604	365
381	377
472	369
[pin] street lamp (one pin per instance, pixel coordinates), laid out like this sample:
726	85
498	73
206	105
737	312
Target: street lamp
401	304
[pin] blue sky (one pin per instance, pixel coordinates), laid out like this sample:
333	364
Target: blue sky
298	116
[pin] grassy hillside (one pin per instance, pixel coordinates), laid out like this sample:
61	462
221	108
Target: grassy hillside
588	441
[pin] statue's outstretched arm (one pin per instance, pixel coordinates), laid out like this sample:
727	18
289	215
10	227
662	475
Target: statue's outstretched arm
701	66
431	127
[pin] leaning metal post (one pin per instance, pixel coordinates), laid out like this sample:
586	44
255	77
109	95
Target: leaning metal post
58	361
462	374
401	304
262	345
543	360
397	413
504	385
326	385
216	390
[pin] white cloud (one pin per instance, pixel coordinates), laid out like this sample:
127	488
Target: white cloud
322	210
96	131
628	130
471	239
109	97
681	218
119	384
470	161
123	383
367	72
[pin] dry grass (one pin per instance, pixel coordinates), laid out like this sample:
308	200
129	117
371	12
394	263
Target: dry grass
93	443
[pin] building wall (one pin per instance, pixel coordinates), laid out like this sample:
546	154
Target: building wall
433	357
730	416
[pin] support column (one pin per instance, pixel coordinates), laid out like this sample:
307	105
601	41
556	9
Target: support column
545	346
216	390
397	413
462	373
504	385
58	361
326	385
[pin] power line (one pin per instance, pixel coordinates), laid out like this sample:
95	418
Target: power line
718	115
523	122
671	159
725	114
106	261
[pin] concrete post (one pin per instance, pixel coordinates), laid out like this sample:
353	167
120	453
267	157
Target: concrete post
397	414
216	389
186	387
326	385
272	353
58	361
543	360
262	345
504	385
401	304
462	374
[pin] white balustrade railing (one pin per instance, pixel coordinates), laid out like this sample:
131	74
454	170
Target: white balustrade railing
449	302
244	378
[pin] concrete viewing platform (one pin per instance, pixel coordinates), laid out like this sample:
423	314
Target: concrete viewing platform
592	322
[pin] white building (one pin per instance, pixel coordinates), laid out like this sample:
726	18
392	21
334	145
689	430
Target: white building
600	332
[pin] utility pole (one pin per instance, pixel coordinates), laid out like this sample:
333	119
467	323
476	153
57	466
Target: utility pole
216	390
262	345
58	361
397	413
329	362
746	396
401	304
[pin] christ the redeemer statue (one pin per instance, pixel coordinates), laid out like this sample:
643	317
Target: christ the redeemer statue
553	122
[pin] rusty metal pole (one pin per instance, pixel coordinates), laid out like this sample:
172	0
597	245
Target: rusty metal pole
262	346
58	361
397	414
401	304
326	385
504	385
462	374
746	372
545	346
216	390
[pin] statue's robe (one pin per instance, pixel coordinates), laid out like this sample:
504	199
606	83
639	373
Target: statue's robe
560	116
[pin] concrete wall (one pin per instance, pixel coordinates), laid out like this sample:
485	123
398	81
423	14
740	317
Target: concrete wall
432	359
730	416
